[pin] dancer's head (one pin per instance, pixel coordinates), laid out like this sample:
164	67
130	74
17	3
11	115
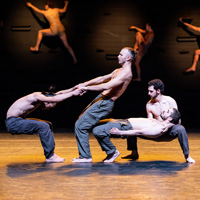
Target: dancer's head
172	114
148	26
48	4
126	54
49	93
155	87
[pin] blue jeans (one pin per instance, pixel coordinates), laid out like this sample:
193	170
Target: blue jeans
17	125
101	132
99	108
176	131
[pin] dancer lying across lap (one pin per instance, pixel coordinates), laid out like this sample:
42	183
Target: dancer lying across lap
147	127
154	107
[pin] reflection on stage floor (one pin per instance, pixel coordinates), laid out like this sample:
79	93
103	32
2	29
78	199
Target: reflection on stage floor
160	172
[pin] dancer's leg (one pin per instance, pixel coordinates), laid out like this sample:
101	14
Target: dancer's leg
195	60
41	33
63	37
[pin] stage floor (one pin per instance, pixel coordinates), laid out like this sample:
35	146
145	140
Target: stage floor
160	173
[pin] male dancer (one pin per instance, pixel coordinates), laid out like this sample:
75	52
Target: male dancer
157	104
16	122
112	86
147	127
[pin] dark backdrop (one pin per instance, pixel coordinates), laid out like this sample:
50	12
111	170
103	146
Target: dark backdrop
95	31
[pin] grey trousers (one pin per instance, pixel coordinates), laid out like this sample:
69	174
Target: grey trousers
99	108
176	131
17	125
101	132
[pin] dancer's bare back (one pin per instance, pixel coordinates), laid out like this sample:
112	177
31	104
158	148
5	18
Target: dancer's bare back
23	106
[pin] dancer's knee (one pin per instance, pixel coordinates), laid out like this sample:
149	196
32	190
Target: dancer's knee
77	124
197	52
138	35
95	131
44	126
179	129
78	127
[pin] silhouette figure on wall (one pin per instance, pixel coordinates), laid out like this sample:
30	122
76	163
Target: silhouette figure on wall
56	27
143	41
189	28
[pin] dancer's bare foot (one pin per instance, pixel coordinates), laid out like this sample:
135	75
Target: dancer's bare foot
133	156
82	160
190	160
191	69
34	48
75	61
111	157
55	159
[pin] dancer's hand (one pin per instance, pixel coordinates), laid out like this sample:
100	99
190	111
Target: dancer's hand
114	131
82	91
77	92
181	19
132	27
28	4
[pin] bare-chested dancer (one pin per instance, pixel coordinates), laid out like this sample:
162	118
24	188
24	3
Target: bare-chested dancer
147	127
143	41
112	86
56	27
157	104
16	122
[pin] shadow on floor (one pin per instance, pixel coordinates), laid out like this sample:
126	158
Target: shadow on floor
84	169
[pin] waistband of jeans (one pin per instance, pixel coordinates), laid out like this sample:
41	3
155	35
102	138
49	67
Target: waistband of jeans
105	97
8	118
128	123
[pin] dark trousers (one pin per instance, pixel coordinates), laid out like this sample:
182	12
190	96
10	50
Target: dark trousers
99	108
17	125
101	132
176	131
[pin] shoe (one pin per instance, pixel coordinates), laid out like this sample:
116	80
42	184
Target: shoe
111	157
82	160
54	159
132	157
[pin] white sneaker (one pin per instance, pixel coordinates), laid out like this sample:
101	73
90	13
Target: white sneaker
55	159
82	160
190	160
111	157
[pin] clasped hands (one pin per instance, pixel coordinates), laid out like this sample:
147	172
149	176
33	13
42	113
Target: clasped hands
82	89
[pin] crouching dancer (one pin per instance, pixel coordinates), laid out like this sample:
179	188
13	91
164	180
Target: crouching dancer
147	127
16	122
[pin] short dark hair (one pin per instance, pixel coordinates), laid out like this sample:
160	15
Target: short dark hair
132	51
157	84
175	115
49	3
50	92
149	23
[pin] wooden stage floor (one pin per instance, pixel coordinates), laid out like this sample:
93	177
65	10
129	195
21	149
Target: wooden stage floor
160	173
